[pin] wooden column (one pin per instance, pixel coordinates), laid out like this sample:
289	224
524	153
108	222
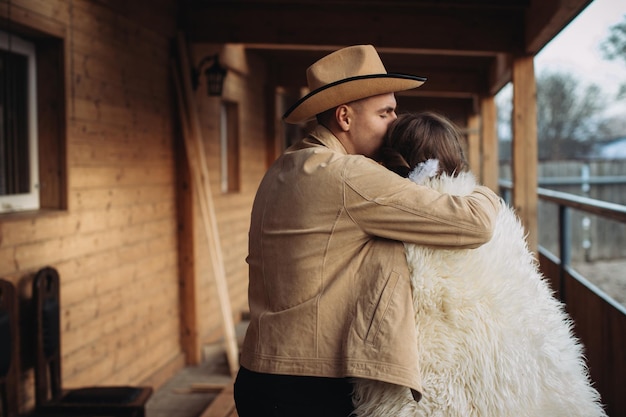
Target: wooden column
190	331
524	151
489	143
473	144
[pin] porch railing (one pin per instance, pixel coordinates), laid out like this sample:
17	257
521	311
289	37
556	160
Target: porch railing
599	321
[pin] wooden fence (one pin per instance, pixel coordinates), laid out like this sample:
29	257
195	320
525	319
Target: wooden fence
591	237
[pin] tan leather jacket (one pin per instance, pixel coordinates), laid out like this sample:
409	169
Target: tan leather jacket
329	290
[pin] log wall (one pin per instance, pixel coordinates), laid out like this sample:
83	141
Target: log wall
117	245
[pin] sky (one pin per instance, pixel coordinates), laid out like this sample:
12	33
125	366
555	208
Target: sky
576	50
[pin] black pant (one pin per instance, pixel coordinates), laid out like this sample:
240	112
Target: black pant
266	395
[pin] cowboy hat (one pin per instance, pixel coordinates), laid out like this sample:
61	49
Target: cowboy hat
346	75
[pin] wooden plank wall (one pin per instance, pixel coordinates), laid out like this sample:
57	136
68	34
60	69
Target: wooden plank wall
117	245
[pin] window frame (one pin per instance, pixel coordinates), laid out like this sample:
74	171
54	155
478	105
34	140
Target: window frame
27	201
52	49
230	160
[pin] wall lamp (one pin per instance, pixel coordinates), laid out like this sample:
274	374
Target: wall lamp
214	74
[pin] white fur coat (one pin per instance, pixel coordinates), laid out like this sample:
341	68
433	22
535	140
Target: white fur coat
493	340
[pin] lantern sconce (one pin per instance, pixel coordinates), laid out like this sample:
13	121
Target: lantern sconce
214	74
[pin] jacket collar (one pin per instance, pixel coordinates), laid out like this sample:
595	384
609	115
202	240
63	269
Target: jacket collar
324	136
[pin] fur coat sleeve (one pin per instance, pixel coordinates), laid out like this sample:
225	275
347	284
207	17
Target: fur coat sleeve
492	339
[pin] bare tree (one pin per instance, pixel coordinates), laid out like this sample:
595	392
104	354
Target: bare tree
614	47
568	116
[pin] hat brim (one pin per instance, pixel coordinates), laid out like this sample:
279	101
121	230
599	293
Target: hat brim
345	91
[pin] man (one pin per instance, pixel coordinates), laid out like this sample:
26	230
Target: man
329	290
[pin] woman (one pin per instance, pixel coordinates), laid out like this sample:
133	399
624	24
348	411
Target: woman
492	339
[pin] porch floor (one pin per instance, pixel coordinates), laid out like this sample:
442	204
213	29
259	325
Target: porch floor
177	398
189	392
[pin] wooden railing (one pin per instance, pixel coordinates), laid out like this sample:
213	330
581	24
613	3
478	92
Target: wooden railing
600	322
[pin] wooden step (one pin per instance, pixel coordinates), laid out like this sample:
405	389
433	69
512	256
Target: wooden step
223	405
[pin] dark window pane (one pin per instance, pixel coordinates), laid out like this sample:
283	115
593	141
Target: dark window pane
14	157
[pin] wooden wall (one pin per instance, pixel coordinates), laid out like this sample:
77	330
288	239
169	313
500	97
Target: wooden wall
118	245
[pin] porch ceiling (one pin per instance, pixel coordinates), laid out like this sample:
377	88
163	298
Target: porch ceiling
463	47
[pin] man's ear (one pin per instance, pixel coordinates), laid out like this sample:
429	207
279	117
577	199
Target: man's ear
343	117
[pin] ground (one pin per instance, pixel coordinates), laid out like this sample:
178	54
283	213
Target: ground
609	276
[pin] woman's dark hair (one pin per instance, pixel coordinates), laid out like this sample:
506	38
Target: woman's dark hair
417	137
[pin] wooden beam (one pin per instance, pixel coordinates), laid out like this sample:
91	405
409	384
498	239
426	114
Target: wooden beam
223	405
190	333
190	337
545	19
493	30
524	151
14	17
457	82
520	27
448	74
499	73
489	143
441	82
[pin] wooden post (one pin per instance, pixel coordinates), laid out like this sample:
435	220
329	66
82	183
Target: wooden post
524	151
200	178
473	144
189	299
489	140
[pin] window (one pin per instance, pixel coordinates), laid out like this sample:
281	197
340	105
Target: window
19	166
229	147
33	120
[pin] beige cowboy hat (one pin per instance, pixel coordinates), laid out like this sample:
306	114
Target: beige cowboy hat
346	75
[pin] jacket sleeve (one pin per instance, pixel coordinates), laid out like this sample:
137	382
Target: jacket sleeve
386	205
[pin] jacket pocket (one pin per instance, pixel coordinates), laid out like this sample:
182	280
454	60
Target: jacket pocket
382	307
